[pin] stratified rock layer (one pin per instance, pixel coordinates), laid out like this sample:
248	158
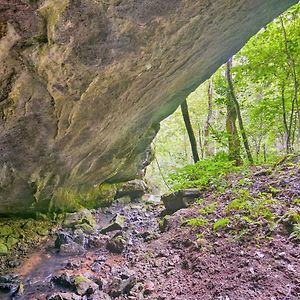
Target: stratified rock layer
85	83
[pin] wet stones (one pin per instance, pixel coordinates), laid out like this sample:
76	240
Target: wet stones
68	244
85	286
71	248
9	283
82	219
14	262
64	280
134	189
64	296
62	238
117	223
164	224
78	230
147	236
101	296
180	199
120	286
116	244
81	285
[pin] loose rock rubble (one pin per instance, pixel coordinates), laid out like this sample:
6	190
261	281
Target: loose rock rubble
130	251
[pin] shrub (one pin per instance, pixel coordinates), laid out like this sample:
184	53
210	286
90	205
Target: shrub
208	171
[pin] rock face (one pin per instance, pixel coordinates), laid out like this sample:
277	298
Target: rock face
85	83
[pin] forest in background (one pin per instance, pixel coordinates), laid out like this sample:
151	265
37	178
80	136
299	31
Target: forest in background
246	113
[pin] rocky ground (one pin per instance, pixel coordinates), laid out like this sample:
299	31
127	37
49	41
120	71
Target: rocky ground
235	242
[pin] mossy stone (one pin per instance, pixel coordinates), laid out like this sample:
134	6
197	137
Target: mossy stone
67	200
5	230
85	227
79	279
84	216
117	223
11	241
42	231
3	249
29	225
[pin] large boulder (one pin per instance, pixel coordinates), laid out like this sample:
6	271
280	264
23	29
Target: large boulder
180	199
135	189
84	85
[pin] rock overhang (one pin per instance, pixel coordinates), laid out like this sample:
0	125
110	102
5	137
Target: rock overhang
84	84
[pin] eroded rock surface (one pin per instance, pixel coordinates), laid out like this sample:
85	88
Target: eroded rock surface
84	84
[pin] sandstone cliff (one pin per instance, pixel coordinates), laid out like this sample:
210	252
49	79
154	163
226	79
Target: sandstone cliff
85	83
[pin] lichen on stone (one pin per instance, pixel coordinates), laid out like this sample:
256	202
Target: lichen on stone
51	10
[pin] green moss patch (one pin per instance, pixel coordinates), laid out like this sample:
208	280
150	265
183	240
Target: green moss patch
68	200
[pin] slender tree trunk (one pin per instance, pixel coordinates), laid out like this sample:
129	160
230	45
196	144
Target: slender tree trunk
161	174
293	135
233	138
265	153
238	111
189	129
200	141
207	149
292	64
285	123
234	146
257	146
290	149
185	148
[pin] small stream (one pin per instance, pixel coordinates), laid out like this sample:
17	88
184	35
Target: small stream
37	270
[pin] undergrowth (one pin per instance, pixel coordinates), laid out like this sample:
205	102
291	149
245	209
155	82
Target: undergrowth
245	210
245	214
210	171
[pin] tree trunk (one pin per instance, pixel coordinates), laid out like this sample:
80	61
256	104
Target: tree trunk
234	146
207	149
265	153
200	141
285	123
236	105
189	129
233	138
292	64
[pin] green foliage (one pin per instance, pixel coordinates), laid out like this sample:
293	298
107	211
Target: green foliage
208	209
248	208
296	232
221	223
243	214
263	76
197	222
292	216
296	201
202	173
246	181
274	190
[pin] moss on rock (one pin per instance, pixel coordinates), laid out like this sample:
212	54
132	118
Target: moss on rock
3	249
51	10
68	200
5	230
82	219
11	241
